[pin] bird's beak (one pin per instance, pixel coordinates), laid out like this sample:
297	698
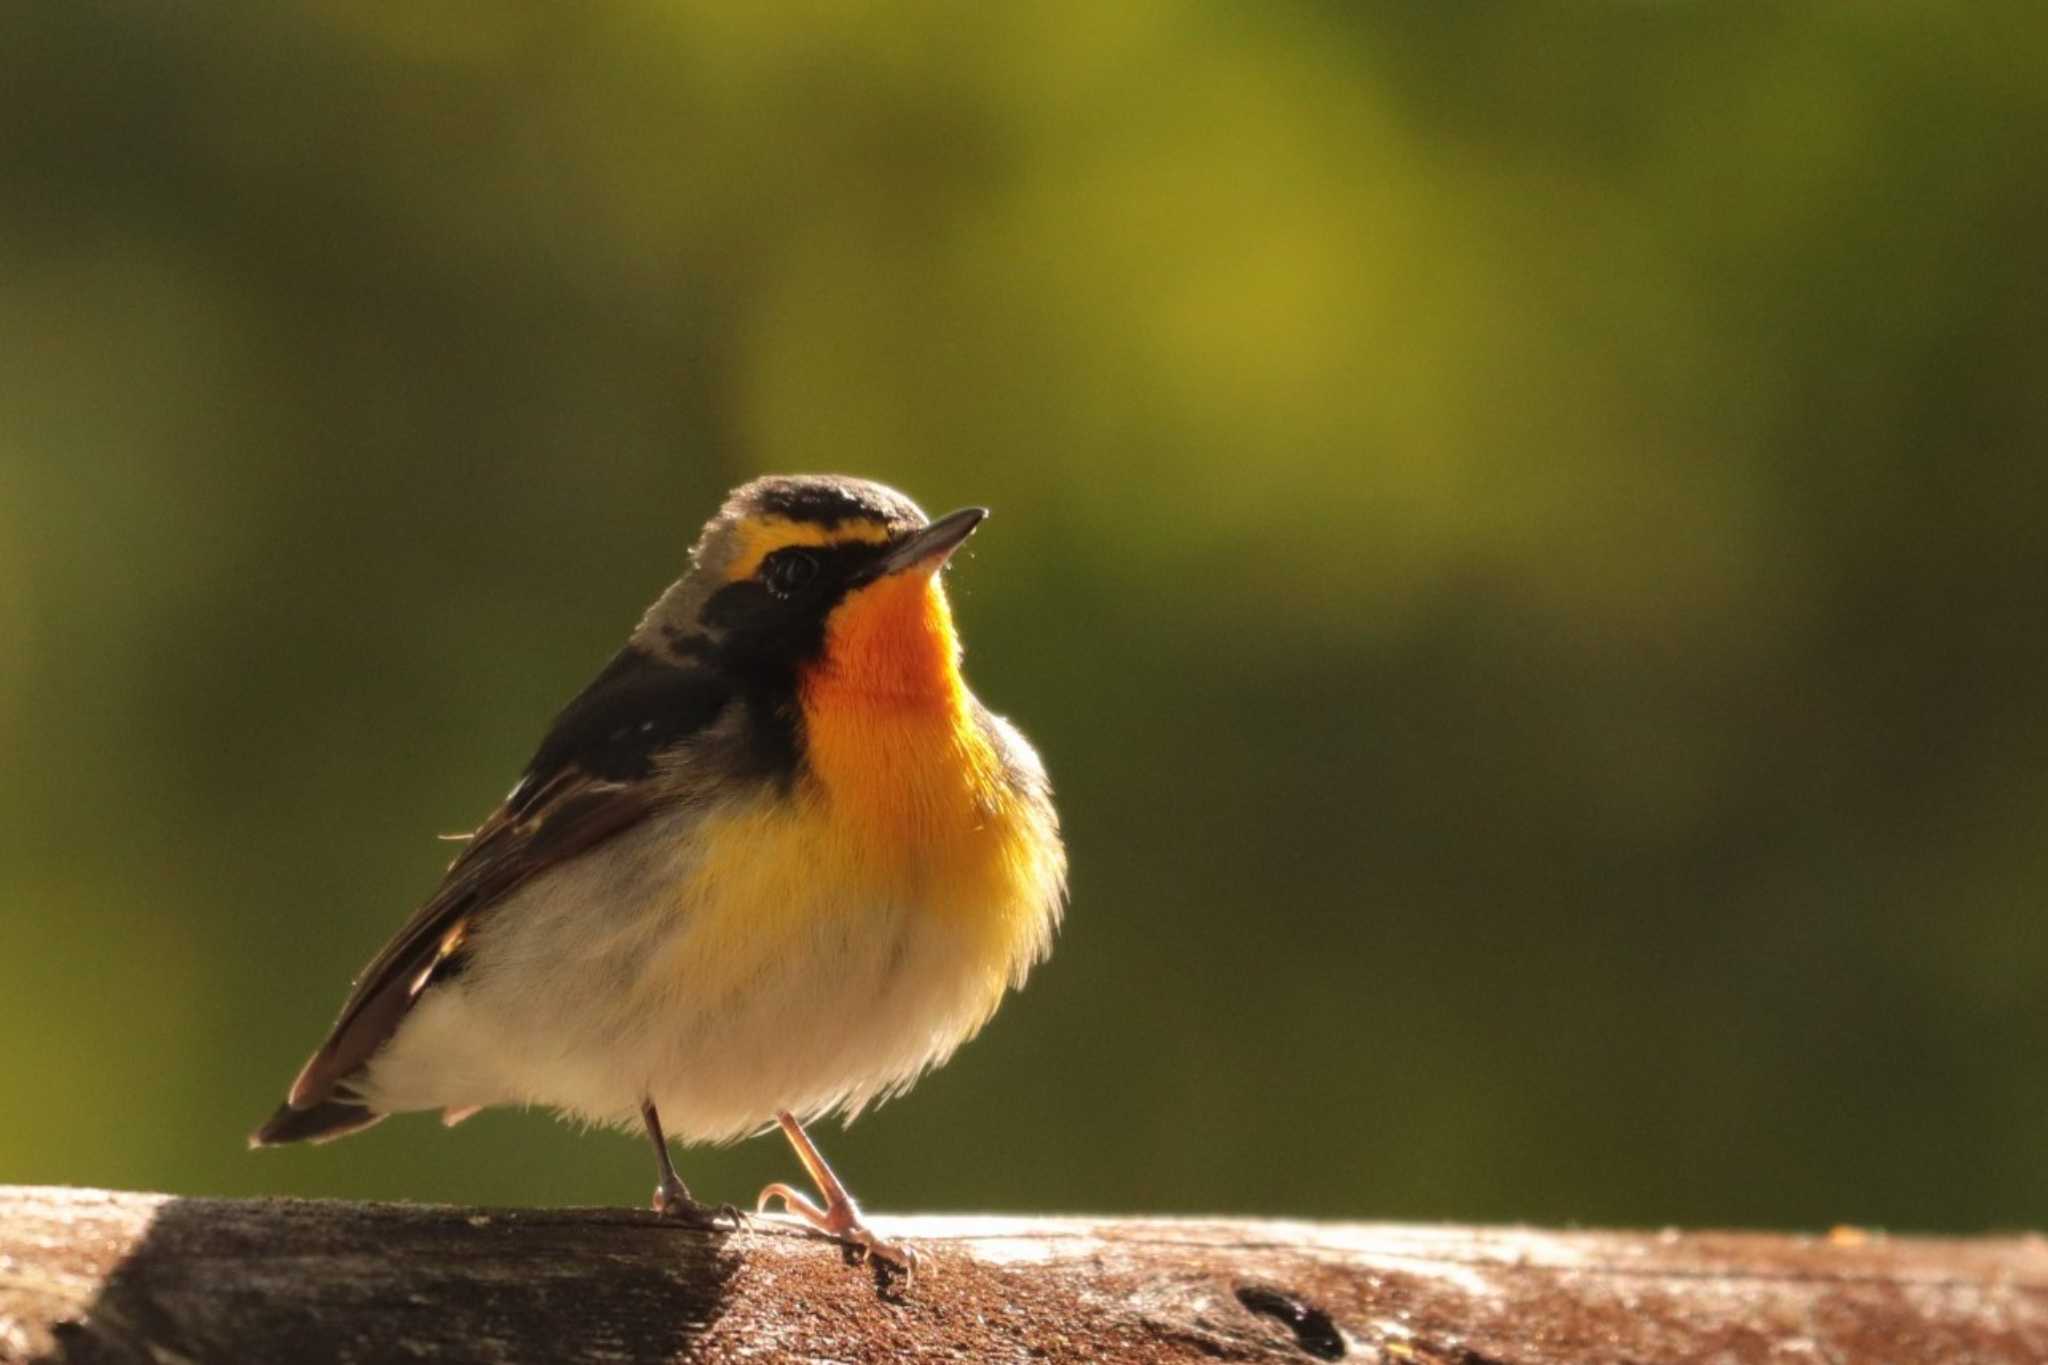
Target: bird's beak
929	548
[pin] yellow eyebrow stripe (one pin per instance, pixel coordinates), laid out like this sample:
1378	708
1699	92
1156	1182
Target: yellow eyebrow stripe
760	537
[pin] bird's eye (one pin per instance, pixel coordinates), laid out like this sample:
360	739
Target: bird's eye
788	571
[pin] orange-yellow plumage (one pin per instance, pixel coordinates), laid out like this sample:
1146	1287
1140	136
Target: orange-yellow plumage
903	806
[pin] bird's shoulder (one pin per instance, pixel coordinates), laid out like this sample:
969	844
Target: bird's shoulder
637	707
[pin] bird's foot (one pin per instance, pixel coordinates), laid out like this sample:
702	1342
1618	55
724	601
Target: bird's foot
672	1199
840	1218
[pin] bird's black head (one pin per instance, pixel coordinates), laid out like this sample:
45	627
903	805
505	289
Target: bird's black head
822	581
788	556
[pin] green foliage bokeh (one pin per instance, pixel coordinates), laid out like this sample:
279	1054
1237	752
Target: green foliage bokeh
1516	531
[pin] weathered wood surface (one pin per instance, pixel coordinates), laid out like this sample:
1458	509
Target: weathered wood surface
92	1276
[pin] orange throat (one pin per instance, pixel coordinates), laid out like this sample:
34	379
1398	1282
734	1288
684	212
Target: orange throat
890	642
889	731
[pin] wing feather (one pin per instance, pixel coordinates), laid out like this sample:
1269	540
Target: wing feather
594	775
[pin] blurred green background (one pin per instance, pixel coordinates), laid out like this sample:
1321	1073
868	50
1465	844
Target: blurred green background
1517	533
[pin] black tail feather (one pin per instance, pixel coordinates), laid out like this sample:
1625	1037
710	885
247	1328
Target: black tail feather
321	1123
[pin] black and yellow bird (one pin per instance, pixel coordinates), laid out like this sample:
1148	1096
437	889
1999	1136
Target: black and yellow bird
775	861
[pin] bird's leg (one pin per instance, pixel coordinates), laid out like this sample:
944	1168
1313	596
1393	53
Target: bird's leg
841	1216
672	1197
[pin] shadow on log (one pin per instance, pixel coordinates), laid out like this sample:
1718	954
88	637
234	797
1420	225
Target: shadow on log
92	1276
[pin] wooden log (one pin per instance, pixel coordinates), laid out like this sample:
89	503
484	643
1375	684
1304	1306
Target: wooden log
97	1276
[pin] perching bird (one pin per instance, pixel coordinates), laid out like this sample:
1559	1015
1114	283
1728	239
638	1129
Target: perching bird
775	861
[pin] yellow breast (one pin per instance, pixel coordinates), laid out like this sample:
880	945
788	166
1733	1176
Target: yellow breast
905	804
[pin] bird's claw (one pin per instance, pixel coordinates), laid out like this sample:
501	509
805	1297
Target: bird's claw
842	1222
671	1200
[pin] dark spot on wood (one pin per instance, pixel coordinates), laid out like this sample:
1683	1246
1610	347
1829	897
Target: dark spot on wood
1313	1330
457	1292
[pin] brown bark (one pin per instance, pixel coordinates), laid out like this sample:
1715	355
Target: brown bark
93	1276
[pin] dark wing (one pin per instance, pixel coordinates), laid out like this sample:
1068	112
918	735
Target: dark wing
593	776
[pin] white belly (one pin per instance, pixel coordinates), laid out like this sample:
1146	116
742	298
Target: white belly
560	1005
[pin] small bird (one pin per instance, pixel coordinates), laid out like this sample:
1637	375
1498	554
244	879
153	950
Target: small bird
774	862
